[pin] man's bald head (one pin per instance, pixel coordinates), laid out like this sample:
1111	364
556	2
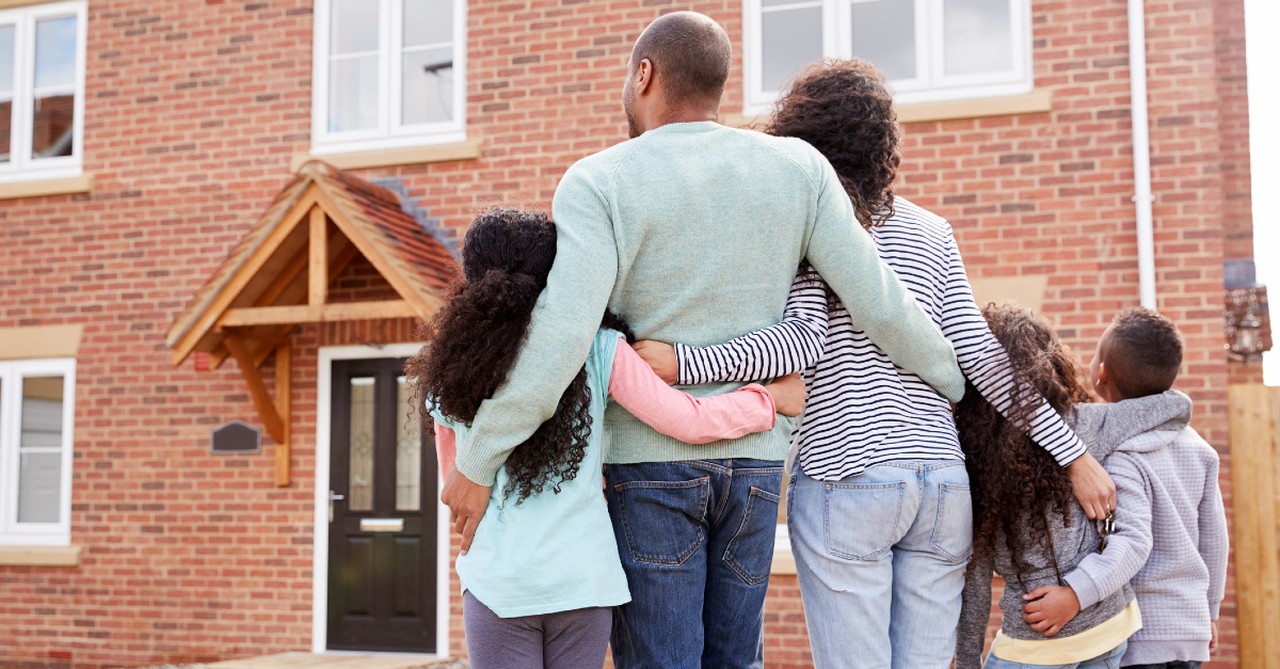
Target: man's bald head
690	54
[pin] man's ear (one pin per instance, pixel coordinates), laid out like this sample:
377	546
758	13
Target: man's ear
643	77
1104	374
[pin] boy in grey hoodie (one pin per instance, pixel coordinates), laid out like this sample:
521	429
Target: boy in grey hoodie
1180	587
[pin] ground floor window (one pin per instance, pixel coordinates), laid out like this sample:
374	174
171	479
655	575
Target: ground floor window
36	421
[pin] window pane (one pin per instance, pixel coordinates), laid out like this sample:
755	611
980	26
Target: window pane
354	26
427	94
353	94
978	36
6	61
56	52
53	126
6	90
790	39
39	480
428	22
40	450
884	32
6	125
408	450
360	493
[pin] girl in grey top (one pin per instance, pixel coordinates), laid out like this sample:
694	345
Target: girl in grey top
1026	526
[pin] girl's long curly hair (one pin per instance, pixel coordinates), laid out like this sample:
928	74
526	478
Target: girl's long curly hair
844	109
1014	481
475	339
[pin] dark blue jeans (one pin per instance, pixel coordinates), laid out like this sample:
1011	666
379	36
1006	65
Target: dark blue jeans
696	540
1178	664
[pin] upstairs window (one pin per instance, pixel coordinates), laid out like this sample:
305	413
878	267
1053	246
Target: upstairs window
36	420
931	50
388	74
42	91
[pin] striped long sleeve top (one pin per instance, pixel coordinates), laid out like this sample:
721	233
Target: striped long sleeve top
862	409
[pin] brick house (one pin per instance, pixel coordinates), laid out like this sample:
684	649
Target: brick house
172	260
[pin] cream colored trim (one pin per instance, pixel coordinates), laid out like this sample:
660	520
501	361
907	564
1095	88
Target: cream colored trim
439	153
42	187
784	563
1035	102
8	4
40	341
1025	291
39	556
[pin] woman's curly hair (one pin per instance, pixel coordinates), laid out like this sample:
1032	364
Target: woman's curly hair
1014	481
475	339
844	109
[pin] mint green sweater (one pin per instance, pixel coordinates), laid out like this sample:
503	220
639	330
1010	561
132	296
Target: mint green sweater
693	232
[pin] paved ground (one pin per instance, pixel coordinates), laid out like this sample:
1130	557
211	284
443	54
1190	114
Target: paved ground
308	661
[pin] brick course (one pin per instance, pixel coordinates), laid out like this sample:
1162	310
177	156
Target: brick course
195	110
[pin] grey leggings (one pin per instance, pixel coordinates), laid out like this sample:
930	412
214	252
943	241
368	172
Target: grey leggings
566	640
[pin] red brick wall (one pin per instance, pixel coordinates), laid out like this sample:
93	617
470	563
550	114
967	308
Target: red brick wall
194	111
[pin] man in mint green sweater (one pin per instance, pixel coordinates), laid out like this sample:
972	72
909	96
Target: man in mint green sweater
692	232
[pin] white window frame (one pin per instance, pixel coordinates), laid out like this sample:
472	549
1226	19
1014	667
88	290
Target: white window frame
388	134
932	84
21	166
12	532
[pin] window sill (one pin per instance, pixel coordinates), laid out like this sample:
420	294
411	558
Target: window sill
39	556
1035	102
41	187
416	155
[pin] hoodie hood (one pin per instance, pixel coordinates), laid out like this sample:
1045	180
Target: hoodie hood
1138	425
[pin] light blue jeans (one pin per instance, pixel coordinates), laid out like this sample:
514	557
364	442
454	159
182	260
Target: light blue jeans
1107	660
881	559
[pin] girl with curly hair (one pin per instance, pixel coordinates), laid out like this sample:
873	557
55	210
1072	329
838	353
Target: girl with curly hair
543	567
878	502
1067	600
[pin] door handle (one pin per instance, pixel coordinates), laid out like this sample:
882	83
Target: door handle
334	497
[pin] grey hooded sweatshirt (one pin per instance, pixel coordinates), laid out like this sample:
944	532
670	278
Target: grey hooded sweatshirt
1123	436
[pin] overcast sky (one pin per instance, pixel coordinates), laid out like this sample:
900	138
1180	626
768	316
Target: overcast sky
1262	22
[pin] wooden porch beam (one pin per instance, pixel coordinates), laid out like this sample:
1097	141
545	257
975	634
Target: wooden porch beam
271	419
313	313
317	276
284	408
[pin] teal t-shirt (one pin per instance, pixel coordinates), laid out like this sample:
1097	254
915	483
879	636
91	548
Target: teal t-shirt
553	551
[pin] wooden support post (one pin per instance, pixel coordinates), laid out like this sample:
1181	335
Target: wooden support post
257	389
284	407
317	273
1255	475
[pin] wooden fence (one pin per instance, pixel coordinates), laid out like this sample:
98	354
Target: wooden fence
1255	481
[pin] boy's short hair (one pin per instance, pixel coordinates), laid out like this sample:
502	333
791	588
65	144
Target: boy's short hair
1143	352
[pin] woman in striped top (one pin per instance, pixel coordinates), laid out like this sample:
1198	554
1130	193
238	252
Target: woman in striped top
878	509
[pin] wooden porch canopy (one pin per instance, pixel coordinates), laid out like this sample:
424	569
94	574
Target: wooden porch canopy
278	276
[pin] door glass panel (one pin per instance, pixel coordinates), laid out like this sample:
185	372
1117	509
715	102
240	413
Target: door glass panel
790	39
884	33
428	22
408	450
978	36
40	450
360	490
427	80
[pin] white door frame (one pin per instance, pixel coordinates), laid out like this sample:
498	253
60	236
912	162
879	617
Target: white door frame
320	563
